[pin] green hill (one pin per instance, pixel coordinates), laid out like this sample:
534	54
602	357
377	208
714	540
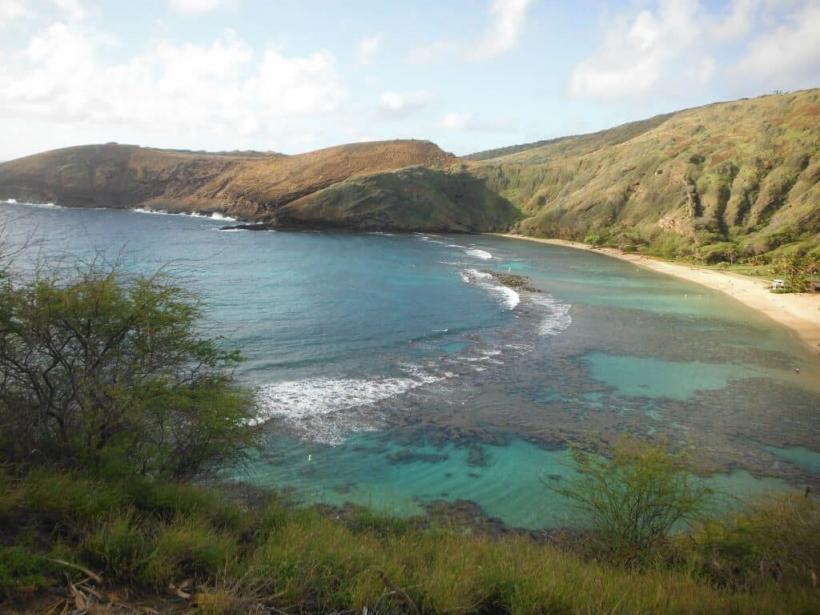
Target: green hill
739	176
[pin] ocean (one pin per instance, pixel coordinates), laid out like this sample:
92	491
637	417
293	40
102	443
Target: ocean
395	371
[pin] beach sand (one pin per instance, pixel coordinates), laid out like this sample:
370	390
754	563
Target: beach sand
800	312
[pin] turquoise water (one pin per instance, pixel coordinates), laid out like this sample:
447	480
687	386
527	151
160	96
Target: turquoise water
395	372
798	455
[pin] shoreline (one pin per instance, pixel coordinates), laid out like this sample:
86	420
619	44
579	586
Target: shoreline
799	312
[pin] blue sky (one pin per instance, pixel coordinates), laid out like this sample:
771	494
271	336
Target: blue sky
294	76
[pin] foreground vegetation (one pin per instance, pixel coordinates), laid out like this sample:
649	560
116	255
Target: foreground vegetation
178	547
112	402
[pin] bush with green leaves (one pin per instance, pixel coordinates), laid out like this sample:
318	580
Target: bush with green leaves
797	270
634	500
776	537
111	373
21	572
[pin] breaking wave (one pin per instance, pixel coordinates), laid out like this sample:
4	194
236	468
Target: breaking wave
478	253
558	318
42	205
323	407
162	212
508	297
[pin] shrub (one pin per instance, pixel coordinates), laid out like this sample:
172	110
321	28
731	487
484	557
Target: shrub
21	572
188	548
71	498
119	546
365	520
774	538
634	500
598	237
797	270
168	501
724	252
111	374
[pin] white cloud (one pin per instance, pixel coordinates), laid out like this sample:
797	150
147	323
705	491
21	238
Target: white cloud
638	51
738	22
10	10
788	56
398	105
507	19
507	22
671	47
198	6
456	121
167	92
368	47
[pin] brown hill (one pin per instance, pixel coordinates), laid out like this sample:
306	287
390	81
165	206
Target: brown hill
250	185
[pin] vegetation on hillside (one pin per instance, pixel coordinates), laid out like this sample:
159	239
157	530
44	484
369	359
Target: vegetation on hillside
412	199
111	400
174	547
722	183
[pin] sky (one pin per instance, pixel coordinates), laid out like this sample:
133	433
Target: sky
298	75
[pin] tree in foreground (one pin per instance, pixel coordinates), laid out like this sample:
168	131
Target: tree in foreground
636	499
107	372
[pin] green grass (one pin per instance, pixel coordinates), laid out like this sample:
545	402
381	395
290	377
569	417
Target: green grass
145	537
21	572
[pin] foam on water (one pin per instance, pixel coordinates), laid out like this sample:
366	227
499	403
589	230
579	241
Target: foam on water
322	407
558	318
508	297
39	205
218	216
478	253
162	212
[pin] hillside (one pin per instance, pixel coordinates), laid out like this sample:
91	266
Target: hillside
715	182
577	144
249	185
411	199
721	182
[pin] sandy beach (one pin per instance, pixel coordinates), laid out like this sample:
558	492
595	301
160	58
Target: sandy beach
799	312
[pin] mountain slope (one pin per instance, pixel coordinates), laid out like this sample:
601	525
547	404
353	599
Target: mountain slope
249	185
411	199
739	176
575	144
719	182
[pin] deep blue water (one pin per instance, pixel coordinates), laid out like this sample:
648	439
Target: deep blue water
394	371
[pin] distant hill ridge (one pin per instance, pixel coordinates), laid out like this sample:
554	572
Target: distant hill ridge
593	140
715	182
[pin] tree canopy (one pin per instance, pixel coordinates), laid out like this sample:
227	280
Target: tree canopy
111	371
